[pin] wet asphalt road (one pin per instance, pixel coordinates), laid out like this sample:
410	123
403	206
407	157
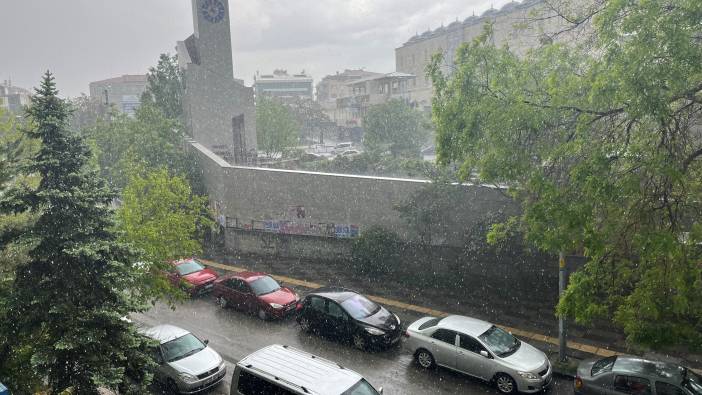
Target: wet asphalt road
235	334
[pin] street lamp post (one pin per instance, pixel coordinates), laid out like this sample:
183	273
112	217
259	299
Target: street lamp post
562	344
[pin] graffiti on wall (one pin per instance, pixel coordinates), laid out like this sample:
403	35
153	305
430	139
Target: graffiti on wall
290	227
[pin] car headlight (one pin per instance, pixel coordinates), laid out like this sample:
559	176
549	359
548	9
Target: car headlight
187	377
276	306
529	376
375	331
297	297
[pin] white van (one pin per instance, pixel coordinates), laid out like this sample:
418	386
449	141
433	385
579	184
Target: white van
283	370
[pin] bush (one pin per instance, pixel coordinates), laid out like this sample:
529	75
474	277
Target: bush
376	251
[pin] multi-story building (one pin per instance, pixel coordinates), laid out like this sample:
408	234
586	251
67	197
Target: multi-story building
282	85
366	92
123	93
514	25
13	98
336	86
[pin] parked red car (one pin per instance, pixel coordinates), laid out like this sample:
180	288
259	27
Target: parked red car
255	292
193	276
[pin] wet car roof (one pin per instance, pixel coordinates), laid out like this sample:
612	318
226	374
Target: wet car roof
165	333
470	326
643	367
336	294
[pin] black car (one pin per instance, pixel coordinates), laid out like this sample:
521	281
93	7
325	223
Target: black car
344	314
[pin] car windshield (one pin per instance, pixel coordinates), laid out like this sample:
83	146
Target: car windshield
181	347
360	307
692	382
189	267
500	342
603	365
264	285
361	388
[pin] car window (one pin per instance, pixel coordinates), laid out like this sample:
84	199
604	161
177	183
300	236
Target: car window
668	389
264	285
445	336
316	303
250	384
239	285
632	385
181	347
189	267
603	365
500	342
429	323
470	344
361	388
335	310
358	306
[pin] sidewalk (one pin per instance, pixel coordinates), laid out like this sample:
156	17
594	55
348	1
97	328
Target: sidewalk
549	344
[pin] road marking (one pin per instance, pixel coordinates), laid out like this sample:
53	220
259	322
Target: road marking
599	351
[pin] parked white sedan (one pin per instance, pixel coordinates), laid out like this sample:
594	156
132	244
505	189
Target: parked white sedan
479	349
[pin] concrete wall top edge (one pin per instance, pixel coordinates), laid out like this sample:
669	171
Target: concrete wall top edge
224	164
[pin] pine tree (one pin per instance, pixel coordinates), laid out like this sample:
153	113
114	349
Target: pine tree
68	302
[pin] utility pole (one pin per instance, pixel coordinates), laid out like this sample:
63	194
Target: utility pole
562	346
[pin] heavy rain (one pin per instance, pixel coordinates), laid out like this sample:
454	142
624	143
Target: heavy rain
351	197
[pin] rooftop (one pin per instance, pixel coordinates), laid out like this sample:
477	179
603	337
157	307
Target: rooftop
394	74
470	326
299	369
472	20
127	78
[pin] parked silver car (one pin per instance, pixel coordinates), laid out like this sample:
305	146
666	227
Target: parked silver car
186	364
481	350
633	375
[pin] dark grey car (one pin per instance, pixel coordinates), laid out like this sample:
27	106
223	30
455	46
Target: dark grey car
633	375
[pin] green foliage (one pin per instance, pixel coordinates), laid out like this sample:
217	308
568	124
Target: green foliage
429	210
396	127
165	86
277	130
160	215
604	154
150	138
64	310
376	251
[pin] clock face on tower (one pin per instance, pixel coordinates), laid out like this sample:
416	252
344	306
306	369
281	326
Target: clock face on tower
212	10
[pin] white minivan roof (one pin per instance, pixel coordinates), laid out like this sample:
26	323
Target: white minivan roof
303	371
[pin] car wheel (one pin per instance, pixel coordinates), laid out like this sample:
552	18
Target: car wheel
262	314
359	341
222	302
505	384
305	324
424	359
172	387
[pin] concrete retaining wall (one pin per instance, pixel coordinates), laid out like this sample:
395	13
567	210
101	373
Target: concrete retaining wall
244	194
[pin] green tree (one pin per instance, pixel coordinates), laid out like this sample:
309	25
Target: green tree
601	145
277	129
162	216
394	126
64	312
165	85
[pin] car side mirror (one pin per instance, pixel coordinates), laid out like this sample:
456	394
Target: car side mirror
206	342
380	390
484	353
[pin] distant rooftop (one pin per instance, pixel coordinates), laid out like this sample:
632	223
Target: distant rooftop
127	78
394	74
472	20
280	74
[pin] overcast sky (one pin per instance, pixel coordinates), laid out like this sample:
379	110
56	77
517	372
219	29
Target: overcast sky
89	40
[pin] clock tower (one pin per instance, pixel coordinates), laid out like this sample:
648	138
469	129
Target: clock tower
212	32
218	110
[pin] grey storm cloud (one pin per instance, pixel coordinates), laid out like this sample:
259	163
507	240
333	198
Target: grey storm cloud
89	40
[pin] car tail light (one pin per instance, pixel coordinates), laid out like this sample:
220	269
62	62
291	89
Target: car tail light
578	383
406	334
298	307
